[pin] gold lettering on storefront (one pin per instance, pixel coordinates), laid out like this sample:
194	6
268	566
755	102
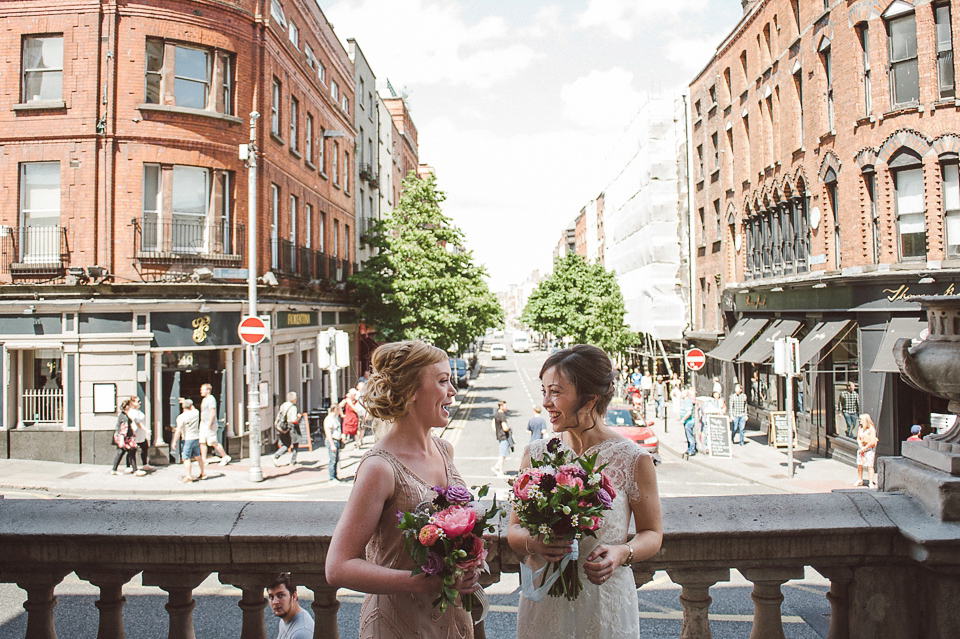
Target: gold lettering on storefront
201	326
896	294
299	319
755	300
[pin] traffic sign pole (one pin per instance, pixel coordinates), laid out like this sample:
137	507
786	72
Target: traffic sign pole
253	351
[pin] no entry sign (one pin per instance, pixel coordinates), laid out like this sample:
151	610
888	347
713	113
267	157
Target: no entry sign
695	359
252	330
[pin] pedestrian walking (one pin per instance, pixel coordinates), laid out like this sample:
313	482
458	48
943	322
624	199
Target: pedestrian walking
660	397
333	433
125	439
849	405
536	425
866	448
737	406
687	417
504	437
208	426
142	430
351	416
287	425
717	386
188	429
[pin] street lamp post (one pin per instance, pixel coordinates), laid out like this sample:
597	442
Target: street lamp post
253	351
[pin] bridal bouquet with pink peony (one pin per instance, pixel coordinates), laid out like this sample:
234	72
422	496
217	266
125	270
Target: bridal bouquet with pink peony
562	497
445	538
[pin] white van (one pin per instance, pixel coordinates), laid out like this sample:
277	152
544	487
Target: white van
521	342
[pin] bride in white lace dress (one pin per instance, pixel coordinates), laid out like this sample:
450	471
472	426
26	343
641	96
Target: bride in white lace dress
577	387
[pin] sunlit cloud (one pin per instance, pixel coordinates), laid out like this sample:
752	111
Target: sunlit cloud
625	18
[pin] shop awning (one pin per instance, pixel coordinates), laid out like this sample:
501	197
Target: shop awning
898	327
817	339
740	335
762	349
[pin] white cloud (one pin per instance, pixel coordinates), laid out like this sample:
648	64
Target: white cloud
692	53
428	41
623	18
604	100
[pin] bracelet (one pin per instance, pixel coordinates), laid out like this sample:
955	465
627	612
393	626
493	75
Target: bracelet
629	557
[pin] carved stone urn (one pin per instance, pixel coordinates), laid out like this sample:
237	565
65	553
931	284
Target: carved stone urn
933	366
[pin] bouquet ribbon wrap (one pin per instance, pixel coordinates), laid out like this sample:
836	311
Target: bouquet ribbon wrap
528	577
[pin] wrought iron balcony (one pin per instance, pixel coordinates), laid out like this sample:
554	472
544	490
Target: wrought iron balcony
34	250
894	569
188	241
368	173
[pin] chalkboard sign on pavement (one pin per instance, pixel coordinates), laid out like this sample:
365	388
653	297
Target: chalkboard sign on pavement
718	435
779	434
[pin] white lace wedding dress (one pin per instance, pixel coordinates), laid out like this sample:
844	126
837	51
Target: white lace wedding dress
607	611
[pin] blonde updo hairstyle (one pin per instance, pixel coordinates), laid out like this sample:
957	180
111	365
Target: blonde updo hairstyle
397	371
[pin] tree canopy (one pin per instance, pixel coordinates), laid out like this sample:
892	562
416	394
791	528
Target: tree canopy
580	300
421	283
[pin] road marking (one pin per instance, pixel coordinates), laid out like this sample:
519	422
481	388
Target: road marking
524	384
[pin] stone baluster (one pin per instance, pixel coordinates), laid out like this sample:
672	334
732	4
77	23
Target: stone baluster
180	601
695	599
110	604
839	598
40	602
325	605
767	597
252	602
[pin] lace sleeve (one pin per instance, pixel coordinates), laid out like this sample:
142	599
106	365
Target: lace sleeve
622	468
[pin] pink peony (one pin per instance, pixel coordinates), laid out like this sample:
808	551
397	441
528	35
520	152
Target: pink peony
526	480
607	485
567	477
456	520
594	525
429	535
476	553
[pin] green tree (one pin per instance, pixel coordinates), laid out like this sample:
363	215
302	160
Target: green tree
582	301
421	283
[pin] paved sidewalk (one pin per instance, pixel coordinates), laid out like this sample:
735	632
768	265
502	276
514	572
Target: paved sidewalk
759	463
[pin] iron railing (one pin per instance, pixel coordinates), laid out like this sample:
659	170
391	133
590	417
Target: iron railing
188	241
34	250
41	406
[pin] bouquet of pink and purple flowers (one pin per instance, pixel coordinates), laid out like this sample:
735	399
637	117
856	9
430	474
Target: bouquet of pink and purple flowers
445	538
562	497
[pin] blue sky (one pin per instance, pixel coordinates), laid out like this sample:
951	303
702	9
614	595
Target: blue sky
517	102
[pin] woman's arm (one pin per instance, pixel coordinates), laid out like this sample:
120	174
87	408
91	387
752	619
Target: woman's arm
523	543
604	559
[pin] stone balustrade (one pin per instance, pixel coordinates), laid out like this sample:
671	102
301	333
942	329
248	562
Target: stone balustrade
894	568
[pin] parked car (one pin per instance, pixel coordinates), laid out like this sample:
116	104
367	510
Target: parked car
620	419
460	370
498	351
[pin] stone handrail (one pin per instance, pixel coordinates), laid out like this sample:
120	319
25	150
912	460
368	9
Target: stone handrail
893	568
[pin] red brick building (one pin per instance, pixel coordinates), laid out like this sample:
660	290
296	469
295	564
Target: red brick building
824	142
123	225
406	153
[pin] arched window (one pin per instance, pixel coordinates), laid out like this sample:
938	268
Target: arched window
907	174
830	181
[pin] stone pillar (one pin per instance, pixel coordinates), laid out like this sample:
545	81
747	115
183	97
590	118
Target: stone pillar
180	601
767	597
695	599
839	598
110	604
252	602
40	602
325	605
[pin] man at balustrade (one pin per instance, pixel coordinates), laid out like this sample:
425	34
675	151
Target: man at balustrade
295	622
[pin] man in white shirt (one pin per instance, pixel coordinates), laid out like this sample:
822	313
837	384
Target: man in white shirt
208	425
295	622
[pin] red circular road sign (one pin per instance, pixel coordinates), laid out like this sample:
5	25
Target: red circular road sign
252	330
695	359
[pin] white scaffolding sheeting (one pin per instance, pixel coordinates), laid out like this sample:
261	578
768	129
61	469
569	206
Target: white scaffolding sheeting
642	214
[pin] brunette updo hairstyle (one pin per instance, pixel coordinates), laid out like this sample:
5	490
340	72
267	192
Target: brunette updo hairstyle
397	371
590	371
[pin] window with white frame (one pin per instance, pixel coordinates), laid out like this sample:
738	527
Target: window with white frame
294	35
308	54
275	108
308	226
336	238
345	103
189	82
945	69
870	184
951	209
276	12
346	170
321	231
864	33
42	68
191	198
274	225
196	217
151	232
39	212
336	163
321	72
902	48
335	91
360	93
827	58
321	151
911	216
346	242
308	139
294	123
830	182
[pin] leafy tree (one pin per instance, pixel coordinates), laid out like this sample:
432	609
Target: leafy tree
582	301
421	282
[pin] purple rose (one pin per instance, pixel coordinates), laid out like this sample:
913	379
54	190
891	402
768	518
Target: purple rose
604	498
433	565
458	495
